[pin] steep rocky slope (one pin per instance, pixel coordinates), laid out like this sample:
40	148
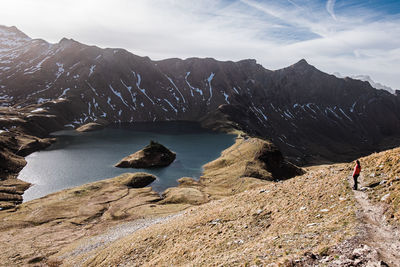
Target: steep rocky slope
308	114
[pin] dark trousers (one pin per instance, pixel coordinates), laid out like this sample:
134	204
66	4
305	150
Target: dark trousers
355	177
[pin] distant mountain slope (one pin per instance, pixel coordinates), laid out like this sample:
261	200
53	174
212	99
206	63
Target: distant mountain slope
367	78
117	85
301	109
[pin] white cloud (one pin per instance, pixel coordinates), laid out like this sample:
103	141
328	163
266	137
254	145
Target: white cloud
330	7
276	33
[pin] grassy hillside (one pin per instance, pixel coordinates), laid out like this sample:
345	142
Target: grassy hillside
381	175
272	222
249	208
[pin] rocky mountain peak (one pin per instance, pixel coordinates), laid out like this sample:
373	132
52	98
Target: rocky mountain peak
249	61
302	61
11	37
66	41
12	31
301	64
301	67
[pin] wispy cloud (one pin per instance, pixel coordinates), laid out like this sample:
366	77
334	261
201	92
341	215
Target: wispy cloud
330	7
350	37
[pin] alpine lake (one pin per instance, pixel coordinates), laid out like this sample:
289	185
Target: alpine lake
79	158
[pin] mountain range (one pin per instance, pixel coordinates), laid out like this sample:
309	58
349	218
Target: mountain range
310	115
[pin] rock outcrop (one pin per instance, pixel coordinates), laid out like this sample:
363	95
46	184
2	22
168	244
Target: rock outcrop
11	191
248	163
187	195
90	127
272	161
152	156
138	180
23	130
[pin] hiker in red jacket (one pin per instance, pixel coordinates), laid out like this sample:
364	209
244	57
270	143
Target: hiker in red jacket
356	173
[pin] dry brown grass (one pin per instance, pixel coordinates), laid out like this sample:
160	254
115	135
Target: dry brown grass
235	170
43	226
269	223
381	172
247	221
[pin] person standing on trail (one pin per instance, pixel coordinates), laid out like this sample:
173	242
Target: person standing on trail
356	173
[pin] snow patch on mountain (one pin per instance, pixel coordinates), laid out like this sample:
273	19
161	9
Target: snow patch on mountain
353	106
34	69
11	37
226	97
209	79
60	70
171	81
344	113
139	80
91	70
175	109
64	92
192	88
119	95
93	89
42	100
109	103
133	95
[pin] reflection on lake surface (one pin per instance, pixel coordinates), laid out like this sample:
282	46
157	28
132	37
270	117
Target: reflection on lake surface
79	158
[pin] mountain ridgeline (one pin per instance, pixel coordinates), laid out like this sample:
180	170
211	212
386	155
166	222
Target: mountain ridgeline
308	114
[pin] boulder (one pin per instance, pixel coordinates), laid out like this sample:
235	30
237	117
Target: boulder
138	180
89	127
183	195
152	156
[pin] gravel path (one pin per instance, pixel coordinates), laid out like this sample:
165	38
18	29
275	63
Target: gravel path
380	235
116	233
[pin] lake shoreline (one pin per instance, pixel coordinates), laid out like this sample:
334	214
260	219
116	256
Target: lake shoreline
78	213
104	141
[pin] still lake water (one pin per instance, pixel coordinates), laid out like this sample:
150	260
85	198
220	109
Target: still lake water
79	158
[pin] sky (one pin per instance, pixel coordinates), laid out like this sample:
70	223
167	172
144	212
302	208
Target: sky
347	36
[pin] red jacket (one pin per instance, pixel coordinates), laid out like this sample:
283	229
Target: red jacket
357	169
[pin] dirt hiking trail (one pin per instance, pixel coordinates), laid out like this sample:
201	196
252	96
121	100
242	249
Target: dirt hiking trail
379	234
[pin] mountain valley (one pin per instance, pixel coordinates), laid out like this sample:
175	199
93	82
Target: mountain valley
281	194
